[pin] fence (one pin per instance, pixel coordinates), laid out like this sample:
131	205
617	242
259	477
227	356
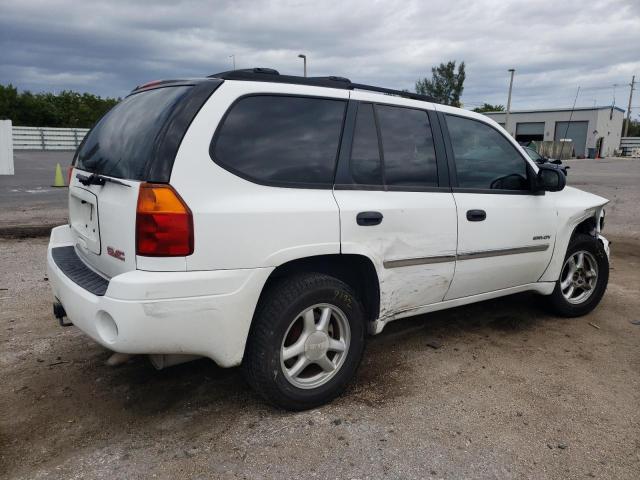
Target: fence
36	138
630	146
6	148
558	150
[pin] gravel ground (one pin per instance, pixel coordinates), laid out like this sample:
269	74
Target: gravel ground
499	389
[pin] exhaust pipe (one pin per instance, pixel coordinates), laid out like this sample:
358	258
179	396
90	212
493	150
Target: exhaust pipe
60	314
160	361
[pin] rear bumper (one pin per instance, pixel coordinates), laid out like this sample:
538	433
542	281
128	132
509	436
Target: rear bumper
200	313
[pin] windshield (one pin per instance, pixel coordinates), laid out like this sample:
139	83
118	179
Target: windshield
532	153
123	143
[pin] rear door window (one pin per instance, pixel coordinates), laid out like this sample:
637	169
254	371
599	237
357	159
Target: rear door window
365	154
407	146
408	159
124	141
281	140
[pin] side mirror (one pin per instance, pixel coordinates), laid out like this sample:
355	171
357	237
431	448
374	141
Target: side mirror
550	178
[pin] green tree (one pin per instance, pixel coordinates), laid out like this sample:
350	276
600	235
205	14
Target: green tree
445	85
66	109
487	107
634	128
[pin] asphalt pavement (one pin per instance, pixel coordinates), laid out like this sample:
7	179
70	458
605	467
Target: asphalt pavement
32	206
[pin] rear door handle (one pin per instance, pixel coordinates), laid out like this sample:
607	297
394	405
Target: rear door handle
368	219
476	215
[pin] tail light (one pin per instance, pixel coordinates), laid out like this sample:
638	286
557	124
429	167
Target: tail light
164	224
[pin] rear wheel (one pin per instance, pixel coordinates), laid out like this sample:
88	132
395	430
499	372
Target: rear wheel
583	279
306	342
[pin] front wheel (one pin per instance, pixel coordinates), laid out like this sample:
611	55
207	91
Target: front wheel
583	279
306	341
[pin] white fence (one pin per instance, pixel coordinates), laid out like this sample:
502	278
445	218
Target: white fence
630	146
36	138
6	148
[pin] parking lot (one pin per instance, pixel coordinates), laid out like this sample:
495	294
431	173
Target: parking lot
499	389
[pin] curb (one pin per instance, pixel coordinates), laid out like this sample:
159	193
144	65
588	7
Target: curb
26	231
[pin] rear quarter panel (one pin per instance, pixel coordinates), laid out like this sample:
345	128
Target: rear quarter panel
240	224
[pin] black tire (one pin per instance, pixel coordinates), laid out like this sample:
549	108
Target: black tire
558	303
278	308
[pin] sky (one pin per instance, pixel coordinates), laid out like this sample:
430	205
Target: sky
109	47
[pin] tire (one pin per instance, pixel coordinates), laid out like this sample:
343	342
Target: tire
593	255
284	336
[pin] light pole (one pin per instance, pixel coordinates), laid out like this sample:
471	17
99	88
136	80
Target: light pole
304	59
506	118
626	125
233	57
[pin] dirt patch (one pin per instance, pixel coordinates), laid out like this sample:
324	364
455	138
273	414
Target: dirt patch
496	389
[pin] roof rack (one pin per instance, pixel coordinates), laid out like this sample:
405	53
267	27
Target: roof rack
271	75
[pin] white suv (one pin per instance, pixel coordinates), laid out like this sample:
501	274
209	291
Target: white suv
272	221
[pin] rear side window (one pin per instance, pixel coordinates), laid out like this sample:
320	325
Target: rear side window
124	141
408	153
281	140
407	146
365	155
484	158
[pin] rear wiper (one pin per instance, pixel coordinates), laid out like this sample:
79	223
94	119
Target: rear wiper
96	179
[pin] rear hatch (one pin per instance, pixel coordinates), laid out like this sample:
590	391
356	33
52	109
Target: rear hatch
135	142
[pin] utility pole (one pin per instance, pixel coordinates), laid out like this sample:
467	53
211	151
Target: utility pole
626	125
233	57
506	118
304	59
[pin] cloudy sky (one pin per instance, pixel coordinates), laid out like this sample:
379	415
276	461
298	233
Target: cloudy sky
109	47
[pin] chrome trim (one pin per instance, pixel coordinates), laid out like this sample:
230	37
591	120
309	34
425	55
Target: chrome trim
464	256
418	261
501	252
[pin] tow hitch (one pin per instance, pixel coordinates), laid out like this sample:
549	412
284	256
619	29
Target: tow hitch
60	314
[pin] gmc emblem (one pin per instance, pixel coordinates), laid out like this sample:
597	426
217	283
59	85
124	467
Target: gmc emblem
119	254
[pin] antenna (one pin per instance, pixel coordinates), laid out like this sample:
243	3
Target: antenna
566	131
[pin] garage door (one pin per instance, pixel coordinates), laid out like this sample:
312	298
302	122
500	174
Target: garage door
529	132
577	132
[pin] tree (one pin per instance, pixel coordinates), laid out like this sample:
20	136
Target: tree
634	128
67	109
445	85
487	107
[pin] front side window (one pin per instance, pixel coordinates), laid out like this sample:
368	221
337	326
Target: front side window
281	140
484	158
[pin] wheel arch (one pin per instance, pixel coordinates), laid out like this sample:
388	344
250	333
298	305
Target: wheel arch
588	225
357	271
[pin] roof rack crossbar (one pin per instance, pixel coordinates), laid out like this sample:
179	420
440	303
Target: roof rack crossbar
271	75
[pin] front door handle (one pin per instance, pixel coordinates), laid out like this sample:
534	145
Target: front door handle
476	215
368	219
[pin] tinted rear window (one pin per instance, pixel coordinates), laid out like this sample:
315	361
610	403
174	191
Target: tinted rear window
123	142
407	144
281	140
365	154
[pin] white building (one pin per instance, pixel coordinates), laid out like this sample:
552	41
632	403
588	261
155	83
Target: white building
597	128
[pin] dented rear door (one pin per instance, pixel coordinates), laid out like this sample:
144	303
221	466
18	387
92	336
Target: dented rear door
394	207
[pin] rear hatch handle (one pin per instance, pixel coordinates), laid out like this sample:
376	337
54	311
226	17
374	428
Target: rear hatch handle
96	179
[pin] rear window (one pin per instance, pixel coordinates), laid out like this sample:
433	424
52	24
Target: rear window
281	140
124	141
